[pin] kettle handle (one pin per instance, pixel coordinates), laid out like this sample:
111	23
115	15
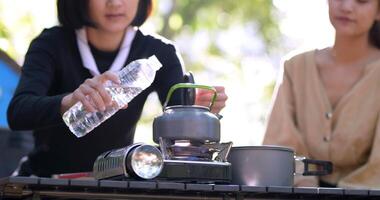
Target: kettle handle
190	85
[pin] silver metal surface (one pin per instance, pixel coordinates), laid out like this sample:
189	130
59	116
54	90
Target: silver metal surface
194	123
262	166
199	162
112	163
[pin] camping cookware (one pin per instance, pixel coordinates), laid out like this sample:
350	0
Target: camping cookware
271	166
187	122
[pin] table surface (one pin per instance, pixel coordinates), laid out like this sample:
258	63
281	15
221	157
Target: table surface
37	188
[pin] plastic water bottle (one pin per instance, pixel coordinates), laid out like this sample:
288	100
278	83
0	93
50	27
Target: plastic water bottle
134	78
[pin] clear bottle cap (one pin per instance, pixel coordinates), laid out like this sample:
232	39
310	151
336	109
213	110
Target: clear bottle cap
154	62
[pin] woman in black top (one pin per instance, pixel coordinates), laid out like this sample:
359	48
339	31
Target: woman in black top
64	64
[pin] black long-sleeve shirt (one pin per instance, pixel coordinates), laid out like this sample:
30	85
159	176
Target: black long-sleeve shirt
53	69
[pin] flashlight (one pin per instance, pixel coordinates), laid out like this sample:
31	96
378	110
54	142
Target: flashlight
139	161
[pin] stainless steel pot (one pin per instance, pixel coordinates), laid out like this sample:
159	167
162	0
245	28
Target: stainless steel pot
271	166
187	122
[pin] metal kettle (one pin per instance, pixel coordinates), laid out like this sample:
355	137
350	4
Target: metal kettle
187	122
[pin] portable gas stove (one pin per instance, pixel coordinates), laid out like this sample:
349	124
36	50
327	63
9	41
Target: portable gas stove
185	161
189	150
189	139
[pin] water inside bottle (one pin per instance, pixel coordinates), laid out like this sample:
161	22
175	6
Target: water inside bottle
134	78
81	121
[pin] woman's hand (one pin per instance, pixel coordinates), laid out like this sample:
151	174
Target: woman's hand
203	98
91	93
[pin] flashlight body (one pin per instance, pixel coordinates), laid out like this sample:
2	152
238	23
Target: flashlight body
113	164
140	161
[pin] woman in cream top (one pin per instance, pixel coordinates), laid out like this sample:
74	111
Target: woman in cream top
327	104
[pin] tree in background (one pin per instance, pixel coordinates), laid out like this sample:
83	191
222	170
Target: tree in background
178	18
3	31
21	21
227	42
220	15
173	19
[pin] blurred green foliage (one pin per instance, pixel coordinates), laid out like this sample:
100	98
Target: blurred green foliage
3	31
195	15
219	15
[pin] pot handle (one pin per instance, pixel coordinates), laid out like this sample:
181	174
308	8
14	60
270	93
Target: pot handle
190	85
314	167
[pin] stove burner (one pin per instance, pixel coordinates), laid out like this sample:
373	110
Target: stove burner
190	153
189	161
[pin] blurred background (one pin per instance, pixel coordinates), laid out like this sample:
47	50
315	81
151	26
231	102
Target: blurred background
237	44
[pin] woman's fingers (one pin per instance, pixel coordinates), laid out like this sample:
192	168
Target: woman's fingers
204	98
96	99
125	107
110	76
80	96
101	96
93	94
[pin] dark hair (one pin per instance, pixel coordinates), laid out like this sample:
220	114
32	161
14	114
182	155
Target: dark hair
374	34
74	13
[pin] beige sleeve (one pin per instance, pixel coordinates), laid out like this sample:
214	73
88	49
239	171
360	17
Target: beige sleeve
281	126
367	176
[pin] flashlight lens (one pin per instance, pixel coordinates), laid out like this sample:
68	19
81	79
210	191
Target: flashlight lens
146	161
